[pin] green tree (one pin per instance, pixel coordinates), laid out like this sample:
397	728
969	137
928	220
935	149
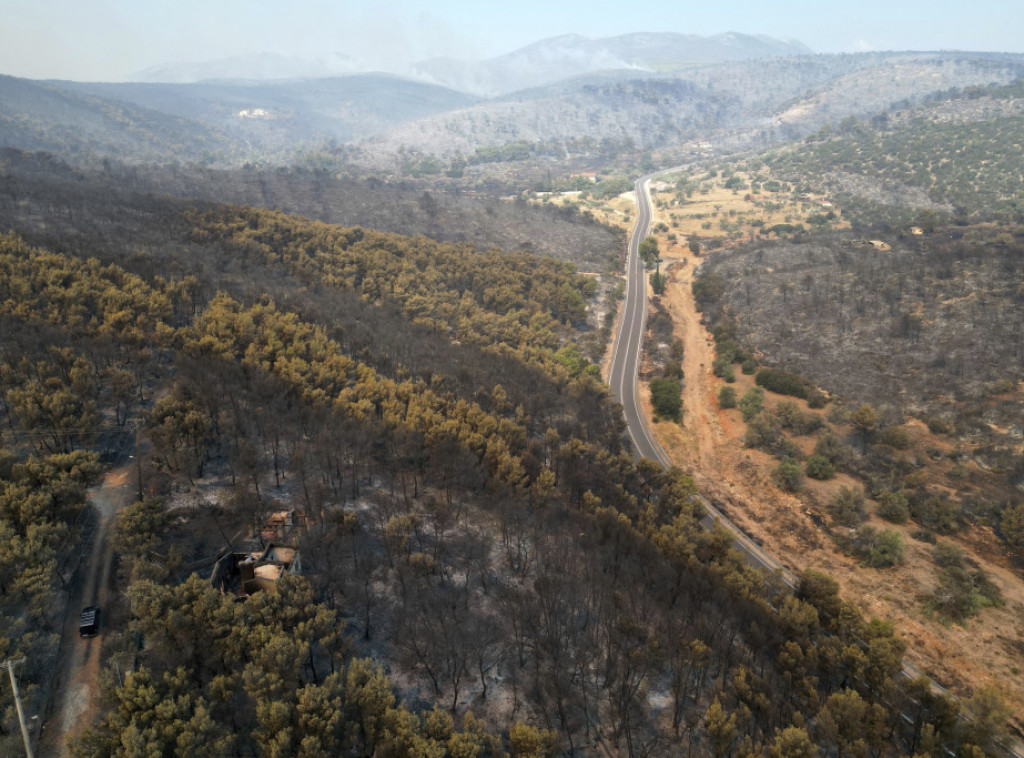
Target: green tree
847	507
157	716
648	250
782	382
722	728
793	742
865	421
788	474
819	467
961	593
658	281
877	549
530	742
987	726
821	591
830	446
181	432
893	507
368	698
1011	525
319	711
666	397
140	528
850	725
751	403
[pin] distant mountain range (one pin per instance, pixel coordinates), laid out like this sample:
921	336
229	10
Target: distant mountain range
559	58
535	65
342	108
252	67
218	122
66	119
734	104
556	97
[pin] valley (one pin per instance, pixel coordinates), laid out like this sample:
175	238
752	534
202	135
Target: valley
435	383
710	444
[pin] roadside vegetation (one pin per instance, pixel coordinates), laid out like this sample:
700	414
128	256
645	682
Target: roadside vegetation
887	356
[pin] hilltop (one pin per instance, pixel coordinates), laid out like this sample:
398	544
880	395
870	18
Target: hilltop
400	127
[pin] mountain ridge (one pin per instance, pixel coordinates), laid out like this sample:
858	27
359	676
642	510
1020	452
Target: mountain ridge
538	63
383	122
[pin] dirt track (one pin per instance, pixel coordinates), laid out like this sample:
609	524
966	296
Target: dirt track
709	445
77	687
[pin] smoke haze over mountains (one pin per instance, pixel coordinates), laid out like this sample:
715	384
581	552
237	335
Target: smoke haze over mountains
111	40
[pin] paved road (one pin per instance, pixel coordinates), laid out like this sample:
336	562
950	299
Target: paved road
626	355
625	366
626	352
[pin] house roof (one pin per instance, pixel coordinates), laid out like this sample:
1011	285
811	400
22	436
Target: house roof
269	571
279	554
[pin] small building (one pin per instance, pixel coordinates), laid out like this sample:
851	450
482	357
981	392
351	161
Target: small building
280	525
244	574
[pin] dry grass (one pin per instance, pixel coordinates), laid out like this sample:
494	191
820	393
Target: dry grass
712	211
709	443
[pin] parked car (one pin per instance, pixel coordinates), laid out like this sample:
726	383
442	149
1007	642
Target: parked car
89	621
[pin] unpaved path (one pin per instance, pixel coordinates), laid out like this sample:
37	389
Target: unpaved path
702	426
709	444
705	443
77	687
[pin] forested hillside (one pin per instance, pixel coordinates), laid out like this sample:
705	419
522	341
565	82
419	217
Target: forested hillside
381	123
47	117
930	328
276	117
873	374
738	105
31	182
486	568
963	151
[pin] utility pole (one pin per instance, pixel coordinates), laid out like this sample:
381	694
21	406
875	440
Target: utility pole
9	665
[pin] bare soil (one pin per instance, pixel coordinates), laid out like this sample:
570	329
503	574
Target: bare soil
988	650
743	212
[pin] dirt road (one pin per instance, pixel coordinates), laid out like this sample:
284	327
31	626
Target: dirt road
709	444
76	697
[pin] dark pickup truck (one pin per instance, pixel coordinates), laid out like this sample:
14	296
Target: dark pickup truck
89	621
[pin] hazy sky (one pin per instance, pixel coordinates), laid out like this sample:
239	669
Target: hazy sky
110	39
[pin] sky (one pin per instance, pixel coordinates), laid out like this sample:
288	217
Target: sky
109	40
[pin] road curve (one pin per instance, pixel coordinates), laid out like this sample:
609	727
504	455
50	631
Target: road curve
625	366
626	356
626	352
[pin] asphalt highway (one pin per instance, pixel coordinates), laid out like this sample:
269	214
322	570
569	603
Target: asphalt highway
626	352
626	355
